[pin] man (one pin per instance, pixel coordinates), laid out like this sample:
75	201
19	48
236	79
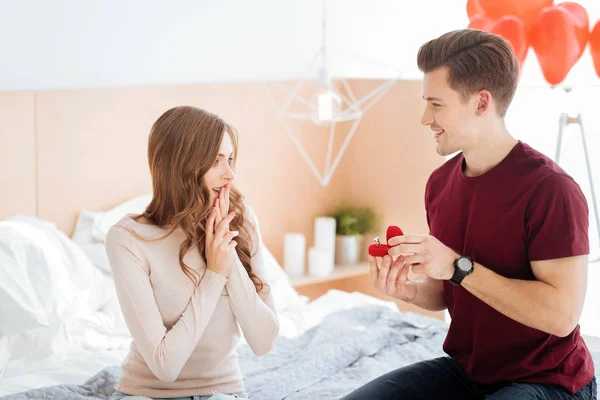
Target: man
508	247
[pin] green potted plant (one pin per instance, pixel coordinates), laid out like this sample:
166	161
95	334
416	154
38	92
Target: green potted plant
352	223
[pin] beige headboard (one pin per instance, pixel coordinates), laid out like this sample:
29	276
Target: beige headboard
92	149
65	151
17	154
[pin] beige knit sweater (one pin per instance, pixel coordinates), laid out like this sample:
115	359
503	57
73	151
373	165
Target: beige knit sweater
184	337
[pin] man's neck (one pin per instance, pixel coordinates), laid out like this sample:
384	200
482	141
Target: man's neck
487	152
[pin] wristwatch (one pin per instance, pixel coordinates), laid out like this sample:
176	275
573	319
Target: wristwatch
463	266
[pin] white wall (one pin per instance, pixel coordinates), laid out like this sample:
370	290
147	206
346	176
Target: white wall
56	44
60	44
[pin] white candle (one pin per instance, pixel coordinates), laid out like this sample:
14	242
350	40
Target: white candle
294	246
320	262
325	235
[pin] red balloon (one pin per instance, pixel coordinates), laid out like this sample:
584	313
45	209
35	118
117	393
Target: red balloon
555	40
473	8
526	10
595	47
583	22
513	29
481	22
509	27
578	12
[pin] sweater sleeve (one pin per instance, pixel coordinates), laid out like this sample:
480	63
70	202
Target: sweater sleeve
254	311
165	352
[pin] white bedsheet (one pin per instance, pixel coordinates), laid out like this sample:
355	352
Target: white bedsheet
102	340
90	344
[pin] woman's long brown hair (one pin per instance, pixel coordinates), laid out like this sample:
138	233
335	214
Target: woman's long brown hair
183	145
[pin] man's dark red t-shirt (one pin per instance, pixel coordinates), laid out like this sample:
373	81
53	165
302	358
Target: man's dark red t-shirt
524	209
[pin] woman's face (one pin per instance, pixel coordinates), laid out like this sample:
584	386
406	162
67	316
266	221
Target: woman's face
221	173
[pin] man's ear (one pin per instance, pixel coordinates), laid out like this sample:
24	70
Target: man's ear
484	102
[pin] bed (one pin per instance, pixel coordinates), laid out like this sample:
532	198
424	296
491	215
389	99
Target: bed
328	347
63	335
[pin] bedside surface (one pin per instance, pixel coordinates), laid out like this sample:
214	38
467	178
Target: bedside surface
339	272
351	278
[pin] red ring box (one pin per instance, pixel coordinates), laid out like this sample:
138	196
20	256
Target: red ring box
380	250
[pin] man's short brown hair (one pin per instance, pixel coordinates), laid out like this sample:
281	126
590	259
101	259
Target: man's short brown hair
475	61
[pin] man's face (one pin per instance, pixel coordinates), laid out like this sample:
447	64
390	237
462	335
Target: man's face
448	116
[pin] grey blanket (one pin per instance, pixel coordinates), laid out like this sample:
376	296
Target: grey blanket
346	350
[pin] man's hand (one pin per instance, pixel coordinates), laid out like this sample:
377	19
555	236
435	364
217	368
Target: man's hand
425	254
391	278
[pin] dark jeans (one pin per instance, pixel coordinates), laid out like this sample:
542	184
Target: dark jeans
443	378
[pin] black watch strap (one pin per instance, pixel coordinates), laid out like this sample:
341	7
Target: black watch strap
463	266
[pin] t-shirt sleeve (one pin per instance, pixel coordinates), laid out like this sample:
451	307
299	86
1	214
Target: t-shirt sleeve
427	200
557	219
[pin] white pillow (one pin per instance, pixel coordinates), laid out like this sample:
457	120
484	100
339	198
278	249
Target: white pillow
273	270
84	228
20	308
50	283
103	221
93	249
61	276
284	294
92	227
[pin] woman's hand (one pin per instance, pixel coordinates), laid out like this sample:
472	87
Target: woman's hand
222	202
220	245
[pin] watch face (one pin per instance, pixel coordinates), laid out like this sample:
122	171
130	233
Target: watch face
464	264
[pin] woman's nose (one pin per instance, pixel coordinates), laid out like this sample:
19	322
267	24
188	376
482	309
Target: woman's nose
228	174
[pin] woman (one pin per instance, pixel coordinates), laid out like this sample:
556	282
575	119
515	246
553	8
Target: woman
188	270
